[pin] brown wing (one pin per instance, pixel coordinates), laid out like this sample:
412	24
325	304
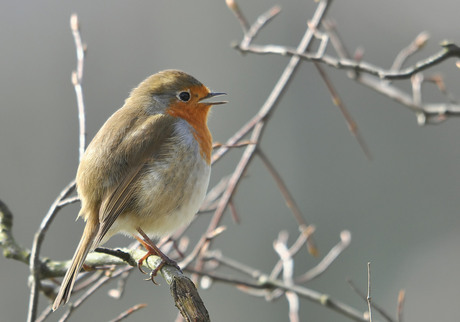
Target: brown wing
150	140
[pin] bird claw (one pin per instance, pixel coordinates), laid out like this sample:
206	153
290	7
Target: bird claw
139	266
153	250
155	271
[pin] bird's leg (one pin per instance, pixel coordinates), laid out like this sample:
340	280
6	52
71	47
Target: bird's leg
152	249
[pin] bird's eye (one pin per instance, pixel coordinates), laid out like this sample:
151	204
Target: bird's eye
184	96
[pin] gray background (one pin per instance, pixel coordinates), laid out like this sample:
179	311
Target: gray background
402	208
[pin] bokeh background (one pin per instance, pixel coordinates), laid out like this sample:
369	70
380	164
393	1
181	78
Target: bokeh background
402	208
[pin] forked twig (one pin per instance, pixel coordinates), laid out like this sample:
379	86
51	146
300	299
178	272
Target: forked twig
77	77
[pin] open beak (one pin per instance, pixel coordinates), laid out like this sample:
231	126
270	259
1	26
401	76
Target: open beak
210	95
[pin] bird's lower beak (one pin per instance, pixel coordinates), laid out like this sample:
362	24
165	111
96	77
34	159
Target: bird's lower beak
210	95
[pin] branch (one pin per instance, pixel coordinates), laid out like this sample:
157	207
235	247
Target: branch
128	312
10	248
449	50
182	289
266	283
325	263
426	113
257	124
370	75
77	78
400	306
363	296
368	297
290	202
35	262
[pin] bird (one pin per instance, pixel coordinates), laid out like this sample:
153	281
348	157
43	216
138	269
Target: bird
146	171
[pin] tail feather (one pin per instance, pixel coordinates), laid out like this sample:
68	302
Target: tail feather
84	247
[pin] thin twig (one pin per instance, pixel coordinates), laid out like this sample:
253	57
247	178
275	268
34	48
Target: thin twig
400	306
363	296
432	113
212	197
261	22
129	312
104	279
44	315
234	264
438	80
289	199
293	301
77	78
352	125
325	263
263	115
280	246
69	201
86	279
216	145
368	298
233	6
449	50
35	263
234	212
418	43
117	293
293	250
265	283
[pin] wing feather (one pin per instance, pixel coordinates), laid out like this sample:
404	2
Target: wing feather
152	140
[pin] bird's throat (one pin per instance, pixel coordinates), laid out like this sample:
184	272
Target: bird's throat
197	117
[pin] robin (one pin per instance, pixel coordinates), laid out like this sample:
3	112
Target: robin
147	170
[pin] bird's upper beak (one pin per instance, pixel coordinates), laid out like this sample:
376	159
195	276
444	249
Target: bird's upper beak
210	95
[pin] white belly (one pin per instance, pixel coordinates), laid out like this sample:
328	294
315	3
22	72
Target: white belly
184	211
172	191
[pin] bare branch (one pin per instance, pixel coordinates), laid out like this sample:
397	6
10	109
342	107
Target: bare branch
262	116
293	250
293	301
363	296
129	312
35	262
290	202
93	288
68	201
261	22
233	6
117	293
449	50
426	113
400	306
418	43
265	283
77	77
368	298
325	263
352	126
10	248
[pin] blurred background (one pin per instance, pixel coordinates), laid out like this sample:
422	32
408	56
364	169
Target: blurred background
402	207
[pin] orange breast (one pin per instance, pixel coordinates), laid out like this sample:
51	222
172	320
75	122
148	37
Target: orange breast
196	115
